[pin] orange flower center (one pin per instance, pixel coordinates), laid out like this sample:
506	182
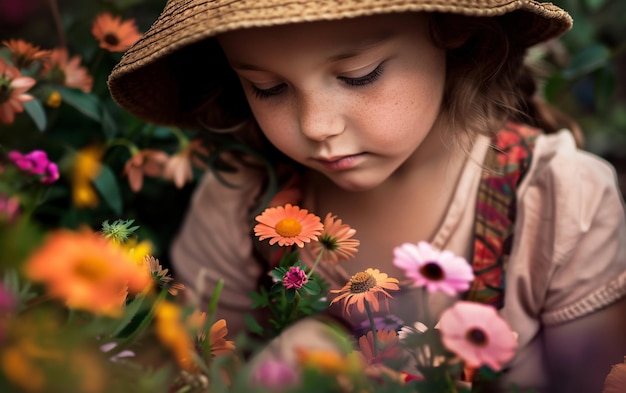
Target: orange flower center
92	270
477	337
432	271
362	282
288	227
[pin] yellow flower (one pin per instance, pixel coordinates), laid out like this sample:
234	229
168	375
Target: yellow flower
54	99
86	271
336	241
364	287
113	34
85	168
288	225
174	334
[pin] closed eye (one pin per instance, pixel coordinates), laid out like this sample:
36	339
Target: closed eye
262	94
364	80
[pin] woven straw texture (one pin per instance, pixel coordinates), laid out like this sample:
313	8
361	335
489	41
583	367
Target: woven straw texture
143	84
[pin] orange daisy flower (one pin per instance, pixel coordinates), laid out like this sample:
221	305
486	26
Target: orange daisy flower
336	242
62	70
388	347
364	287
13	87
161	278
24	53
113	34
288	225
217	339
87	271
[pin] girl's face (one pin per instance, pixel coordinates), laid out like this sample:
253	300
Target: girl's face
353	99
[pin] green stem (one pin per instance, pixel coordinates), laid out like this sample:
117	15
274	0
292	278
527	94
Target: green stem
317	261
425	308
147	320
372	326
56	15
183	141
294	307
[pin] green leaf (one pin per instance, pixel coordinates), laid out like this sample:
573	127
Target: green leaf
107	186
86	103
35	110
252	325
130	312
588	60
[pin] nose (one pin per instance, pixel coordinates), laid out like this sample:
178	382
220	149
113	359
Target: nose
320	116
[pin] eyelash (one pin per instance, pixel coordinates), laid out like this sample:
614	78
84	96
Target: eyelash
370	78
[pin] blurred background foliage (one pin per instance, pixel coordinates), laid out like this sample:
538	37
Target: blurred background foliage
585	76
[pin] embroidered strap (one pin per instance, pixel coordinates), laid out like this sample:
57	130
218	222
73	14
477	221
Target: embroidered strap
506	163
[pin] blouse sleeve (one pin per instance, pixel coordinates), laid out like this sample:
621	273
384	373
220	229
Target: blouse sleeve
570	245
214	243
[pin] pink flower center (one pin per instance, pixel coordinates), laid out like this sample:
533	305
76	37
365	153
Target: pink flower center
477	337
432	271
362	282
288	227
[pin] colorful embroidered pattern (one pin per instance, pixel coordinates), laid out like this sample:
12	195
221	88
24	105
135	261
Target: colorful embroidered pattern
506	163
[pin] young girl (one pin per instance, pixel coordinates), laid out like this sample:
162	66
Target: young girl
410	120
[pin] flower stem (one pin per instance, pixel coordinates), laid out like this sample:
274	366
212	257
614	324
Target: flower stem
372	326
317	260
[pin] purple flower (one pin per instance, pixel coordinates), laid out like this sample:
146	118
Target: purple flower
436	270
295	278
275	375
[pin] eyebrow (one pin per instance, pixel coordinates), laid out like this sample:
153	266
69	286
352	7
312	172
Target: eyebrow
355	50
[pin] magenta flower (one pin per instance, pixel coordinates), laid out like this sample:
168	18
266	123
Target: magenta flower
434	269
295	278
477	334
37	163
275	375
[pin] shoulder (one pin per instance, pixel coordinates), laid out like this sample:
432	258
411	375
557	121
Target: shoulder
570	239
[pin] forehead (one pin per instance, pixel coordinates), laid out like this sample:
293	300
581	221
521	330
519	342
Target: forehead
339	36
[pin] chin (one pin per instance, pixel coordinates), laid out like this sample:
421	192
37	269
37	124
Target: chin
355	185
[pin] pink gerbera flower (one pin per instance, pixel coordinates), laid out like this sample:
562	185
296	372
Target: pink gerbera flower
336	241
434	269
477	334
13	88
288	225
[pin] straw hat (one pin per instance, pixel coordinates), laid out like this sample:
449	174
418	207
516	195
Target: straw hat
149	80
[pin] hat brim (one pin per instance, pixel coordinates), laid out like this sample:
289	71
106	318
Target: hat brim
143	82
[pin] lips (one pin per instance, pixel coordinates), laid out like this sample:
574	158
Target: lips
338	163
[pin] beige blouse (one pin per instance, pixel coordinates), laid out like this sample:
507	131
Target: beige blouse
568	258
